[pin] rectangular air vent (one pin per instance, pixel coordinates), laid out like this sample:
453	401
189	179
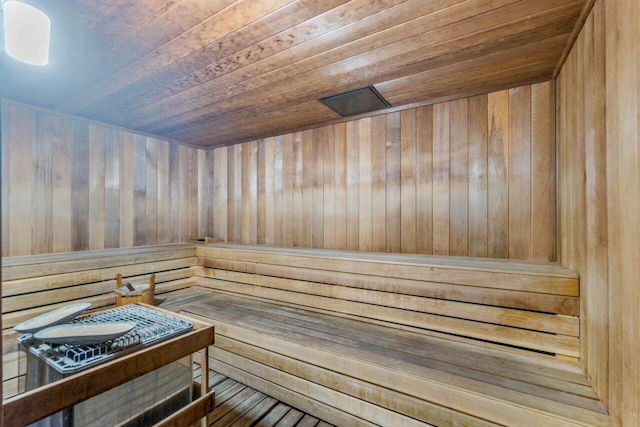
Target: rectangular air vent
356	101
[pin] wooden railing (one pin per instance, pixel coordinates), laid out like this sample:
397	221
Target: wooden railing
41	402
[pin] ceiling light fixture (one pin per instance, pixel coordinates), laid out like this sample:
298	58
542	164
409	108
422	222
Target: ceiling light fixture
26	32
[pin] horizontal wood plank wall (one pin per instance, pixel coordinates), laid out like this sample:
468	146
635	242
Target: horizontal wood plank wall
599	189
470	177
71	185
33	285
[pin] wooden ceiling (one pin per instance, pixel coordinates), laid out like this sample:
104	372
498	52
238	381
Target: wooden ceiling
217	72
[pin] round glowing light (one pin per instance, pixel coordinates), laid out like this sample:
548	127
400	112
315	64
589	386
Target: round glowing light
26	33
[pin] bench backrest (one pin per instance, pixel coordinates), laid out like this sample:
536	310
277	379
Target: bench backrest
532	306
35	284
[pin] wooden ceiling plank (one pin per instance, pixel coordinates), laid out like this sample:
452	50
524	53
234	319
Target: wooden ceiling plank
183	14
371	65
494	38
530	77
481	66
235	16
306	57
307	115
237	119
385	68
474	53
287	26
522	53
159	28
238	136
121	45
366	19
478	78
487	73
509	77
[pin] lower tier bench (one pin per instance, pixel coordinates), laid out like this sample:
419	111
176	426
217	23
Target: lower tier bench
351	372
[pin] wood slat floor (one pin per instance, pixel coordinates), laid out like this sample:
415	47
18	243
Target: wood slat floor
239	405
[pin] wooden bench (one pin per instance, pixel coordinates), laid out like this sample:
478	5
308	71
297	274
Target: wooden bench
381	339
355	338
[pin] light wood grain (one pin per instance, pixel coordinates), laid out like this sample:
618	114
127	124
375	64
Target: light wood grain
340	184
219	178
441	193
598	90
422	179
325	280
543	178
269	188
519	172
378	184
126	189
478	176
307	189
408	231
393	233
352	183
74	186
288	172
498	199
164	193
79	188
365	188
41	190
460	271
327	188
351	387
37	284
494	297
459	178
151	192
278	201
319	340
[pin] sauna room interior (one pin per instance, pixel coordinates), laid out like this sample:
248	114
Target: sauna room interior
346	213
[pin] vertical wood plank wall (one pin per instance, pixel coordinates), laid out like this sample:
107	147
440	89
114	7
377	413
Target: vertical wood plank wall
72	185
598	92
470	177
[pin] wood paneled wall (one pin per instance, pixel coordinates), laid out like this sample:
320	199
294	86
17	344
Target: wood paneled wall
470	177
599	188
71	185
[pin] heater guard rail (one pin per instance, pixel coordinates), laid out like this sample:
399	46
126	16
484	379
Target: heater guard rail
36	404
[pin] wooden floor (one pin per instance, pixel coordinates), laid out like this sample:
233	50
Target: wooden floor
238	405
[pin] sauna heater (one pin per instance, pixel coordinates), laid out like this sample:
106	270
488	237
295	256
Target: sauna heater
140	402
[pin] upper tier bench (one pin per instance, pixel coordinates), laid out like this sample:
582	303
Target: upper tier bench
533	306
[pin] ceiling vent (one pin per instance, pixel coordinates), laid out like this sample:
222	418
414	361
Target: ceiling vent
356	101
